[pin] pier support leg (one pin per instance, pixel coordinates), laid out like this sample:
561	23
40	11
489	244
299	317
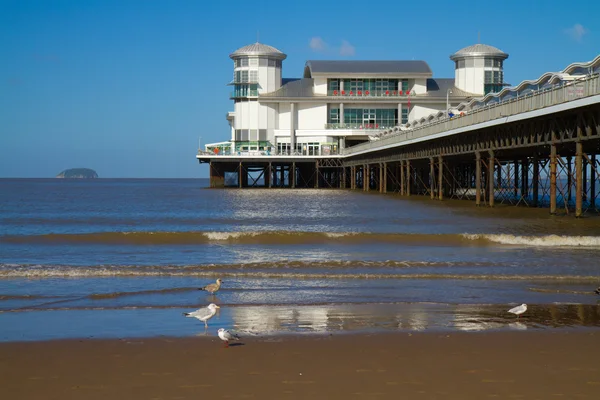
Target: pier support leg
317	174
477	179
268	175
593	177
240	175
569	179
440	178
553	178
408	177
432	177
343	180
402	180
491	163
536	180
380	177
353	177
293	175
578	180
516	180
385	177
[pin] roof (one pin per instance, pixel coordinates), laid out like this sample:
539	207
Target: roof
364	67
440	86
479	49
258	49
295	88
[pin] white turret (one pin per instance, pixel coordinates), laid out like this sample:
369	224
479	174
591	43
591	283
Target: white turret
479	69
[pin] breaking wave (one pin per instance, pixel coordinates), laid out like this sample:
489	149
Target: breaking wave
293	237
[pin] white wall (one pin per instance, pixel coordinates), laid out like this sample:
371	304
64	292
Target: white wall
320	85
284	116
421	111
420	86
311	115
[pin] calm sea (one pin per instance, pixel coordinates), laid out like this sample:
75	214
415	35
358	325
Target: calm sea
123	258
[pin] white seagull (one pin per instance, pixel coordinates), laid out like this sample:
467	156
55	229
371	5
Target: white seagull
226	336
518	310
204	314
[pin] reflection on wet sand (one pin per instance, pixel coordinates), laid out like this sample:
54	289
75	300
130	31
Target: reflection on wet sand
273	320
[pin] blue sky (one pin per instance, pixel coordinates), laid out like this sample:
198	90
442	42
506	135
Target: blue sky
128	87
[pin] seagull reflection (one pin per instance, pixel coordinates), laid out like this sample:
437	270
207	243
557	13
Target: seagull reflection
519	326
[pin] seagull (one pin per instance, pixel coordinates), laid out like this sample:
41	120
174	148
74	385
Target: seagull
204	314
518	310
597	291
226	336
213	287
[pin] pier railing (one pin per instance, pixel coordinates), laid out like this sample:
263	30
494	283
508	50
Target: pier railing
534	100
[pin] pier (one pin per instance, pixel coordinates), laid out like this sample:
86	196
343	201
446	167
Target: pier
536	145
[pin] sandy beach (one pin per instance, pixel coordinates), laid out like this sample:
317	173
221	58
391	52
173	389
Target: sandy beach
529	365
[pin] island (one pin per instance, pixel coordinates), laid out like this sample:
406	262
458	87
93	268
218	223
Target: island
79	173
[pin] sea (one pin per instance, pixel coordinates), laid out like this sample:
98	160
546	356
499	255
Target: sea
123	258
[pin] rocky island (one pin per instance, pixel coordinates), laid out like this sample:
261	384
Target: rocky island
78	173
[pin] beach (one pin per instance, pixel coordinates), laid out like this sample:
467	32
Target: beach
529	365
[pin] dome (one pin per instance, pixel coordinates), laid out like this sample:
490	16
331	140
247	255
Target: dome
479	50
258	49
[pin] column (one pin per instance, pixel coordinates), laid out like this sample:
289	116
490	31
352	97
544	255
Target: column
292	128
385	179
408	178
353	177
317	174
240	172
536	179
399	113
491	177
553	178
440	177
268	175
342	113
380	178
293	175
578	180
477	178
432	177
401	166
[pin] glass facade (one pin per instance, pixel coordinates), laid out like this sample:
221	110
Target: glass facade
367	87
245	91
364	118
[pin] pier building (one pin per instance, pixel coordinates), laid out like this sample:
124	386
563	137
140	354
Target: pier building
390	126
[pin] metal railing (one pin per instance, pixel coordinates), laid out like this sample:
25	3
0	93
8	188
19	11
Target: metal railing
369	93
356	125
534	100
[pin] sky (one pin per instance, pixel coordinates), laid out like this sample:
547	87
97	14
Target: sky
130	88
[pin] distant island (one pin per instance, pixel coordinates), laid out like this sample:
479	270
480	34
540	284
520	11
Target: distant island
79	173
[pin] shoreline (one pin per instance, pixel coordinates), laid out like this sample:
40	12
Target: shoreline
459	365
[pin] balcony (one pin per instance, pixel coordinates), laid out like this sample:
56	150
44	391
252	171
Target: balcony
357	126
368	93
248	93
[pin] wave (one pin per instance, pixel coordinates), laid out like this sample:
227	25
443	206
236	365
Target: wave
299	237
297	270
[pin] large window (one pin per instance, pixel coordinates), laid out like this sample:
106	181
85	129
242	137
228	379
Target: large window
333	84
365	118
245	90
253	76
404	115
243	62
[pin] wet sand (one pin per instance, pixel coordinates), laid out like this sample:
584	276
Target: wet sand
530	365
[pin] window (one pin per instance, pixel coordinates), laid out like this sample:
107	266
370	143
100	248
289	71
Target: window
488	62
253	76
253	62
498	63
333	84
243	76
404	85
263	62
487	77
334	116
404	115
236	63
460	63
243	62
271	63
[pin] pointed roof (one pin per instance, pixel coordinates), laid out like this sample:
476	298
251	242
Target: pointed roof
258	49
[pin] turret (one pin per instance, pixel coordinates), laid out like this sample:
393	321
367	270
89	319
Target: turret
479	69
